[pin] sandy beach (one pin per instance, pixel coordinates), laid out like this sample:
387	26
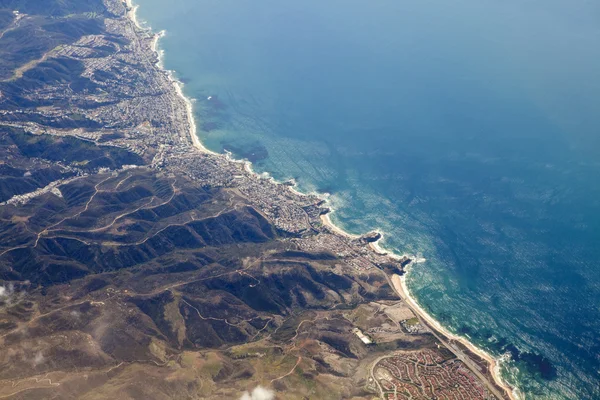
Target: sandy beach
400	286
327	222
178	85
190	115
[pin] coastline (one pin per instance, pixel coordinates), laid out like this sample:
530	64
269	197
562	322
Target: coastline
326	219
178	85
398	282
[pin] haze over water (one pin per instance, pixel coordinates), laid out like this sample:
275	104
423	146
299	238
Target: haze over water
468	131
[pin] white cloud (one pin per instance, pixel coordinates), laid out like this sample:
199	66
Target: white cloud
38	359
6	294
6	291
259	393
9	296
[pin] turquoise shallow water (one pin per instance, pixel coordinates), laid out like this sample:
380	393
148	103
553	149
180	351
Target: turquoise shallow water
467	131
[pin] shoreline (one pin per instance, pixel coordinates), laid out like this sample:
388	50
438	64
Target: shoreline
326	219
398	282
178	85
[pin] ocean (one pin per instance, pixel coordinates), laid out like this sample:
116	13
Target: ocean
467	131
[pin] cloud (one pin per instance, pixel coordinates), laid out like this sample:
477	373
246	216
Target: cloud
38	359
259	393
6	292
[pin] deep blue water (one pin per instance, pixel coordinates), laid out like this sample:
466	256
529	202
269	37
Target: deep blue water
468	131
